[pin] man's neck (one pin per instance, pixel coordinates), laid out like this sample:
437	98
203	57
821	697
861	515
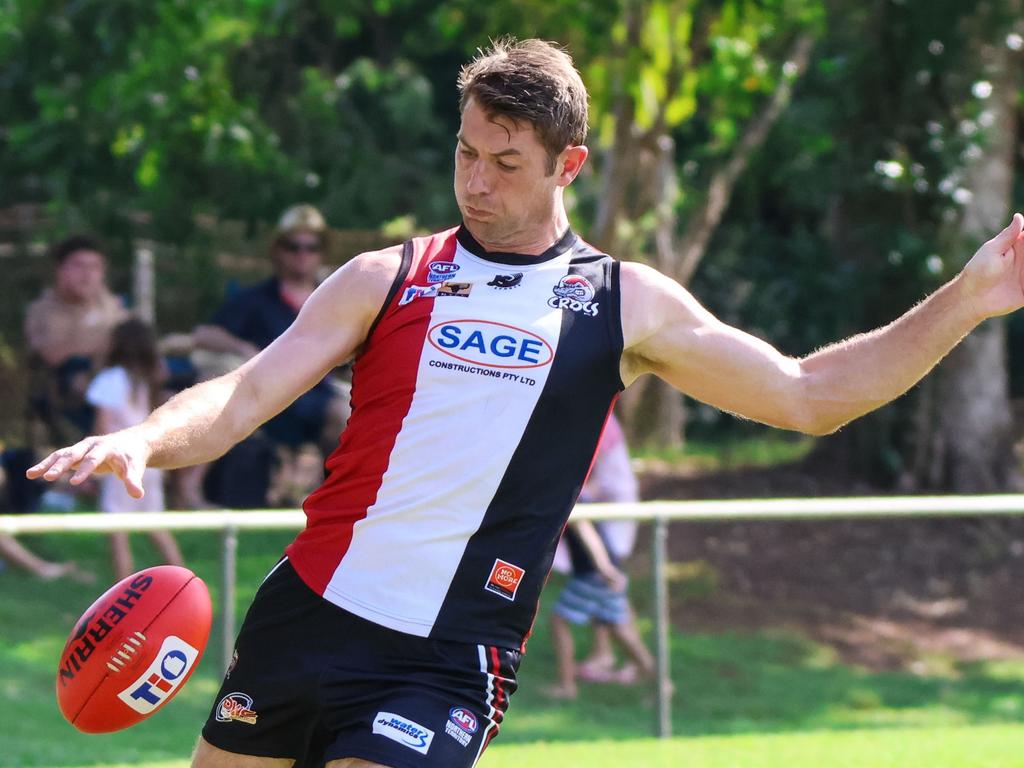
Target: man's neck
72	298
528	242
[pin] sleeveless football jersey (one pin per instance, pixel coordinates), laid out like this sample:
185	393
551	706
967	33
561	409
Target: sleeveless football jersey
477	403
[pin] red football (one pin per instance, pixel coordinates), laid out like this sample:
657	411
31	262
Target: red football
133	649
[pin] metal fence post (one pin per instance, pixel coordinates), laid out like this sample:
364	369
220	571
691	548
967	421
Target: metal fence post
663	677
229	579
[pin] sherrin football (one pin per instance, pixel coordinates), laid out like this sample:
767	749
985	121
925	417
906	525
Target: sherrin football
133	649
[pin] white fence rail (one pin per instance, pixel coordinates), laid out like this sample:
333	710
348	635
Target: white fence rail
230	522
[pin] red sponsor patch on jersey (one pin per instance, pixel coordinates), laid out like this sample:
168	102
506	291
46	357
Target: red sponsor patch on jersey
504	579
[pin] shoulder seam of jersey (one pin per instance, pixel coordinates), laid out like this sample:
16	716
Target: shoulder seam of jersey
396	284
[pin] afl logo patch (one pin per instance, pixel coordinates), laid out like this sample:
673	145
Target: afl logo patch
575	293
439	271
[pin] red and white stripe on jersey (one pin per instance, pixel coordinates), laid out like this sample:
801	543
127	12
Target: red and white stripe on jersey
417	509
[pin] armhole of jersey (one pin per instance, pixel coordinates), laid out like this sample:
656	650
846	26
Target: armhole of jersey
396	284
615	319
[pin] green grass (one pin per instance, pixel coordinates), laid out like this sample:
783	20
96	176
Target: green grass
750	700
964	747
763	450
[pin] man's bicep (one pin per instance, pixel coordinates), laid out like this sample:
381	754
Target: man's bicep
713	362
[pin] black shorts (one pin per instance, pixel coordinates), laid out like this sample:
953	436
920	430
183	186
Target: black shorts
313	682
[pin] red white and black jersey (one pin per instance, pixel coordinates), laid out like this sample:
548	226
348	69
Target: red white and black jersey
477	404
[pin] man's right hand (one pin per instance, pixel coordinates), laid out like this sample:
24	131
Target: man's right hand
123	453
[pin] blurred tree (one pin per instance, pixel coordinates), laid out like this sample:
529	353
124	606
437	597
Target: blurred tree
685	96
135	117
965	440
860	206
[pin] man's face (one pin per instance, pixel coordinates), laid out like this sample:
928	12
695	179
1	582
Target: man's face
502	184
299	255
82	276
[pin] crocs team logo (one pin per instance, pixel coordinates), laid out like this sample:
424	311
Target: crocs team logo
575	293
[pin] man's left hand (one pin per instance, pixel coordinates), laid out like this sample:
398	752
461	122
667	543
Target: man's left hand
994	277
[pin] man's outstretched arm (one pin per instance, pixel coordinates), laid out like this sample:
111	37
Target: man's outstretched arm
668	333
202	422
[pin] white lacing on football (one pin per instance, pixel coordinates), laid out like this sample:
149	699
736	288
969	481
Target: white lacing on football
125	652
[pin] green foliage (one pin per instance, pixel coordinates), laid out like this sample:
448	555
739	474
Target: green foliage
135	117
851	213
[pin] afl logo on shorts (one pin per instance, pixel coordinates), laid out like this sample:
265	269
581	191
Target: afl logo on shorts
439	271
461	725
504	579
575	293
463	718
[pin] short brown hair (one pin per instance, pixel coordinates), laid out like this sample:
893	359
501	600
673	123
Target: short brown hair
63	250
530	80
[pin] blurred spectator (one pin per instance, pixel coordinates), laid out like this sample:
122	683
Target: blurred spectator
611	479
596	592
123	395
67	331
251	319
14	552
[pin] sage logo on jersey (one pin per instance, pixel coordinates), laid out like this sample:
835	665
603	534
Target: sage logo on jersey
406	732
504	579
162	678
491	344
236	707
461	725
575	293
439	271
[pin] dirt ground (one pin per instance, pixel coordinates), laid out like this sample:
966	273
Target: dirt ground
886	595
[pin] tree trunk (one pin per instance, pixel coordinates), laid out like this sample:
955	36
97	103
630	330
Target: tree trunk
706	218
620	158
969	448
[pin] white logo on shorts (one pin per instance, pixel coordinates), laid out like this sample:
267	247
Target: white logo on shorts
405	732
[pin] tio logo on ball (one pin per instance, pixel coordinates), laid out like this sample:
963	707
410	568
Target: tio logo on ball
162	678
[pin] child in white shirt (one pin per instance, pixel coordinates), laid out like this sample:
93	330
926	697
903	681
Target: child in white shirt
123	395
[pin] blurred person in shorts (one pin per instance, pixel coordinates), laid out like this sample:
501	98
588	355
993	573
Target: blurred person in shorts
487	359
596	595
